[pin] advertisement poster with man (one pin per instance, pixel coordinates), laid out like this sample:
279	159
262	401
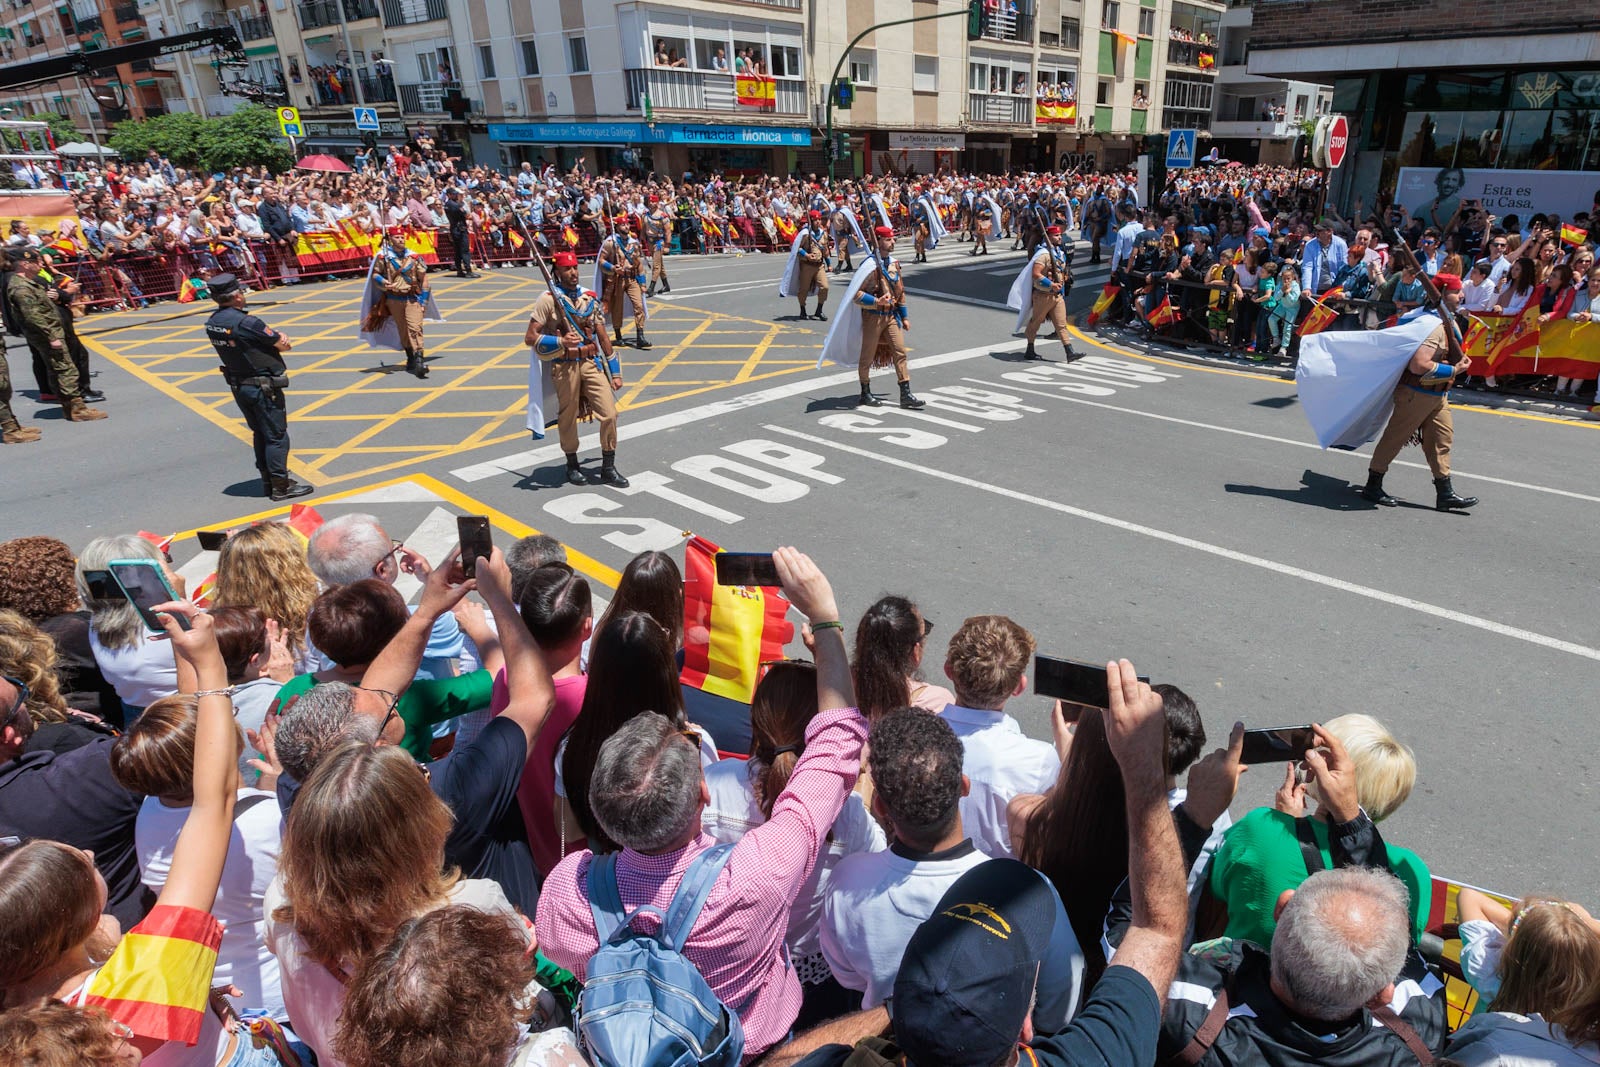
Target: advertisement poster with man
1432	194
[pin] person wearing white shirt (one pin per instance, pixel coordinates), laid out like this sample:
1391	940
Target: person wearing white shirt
248	222
1122	251
877	900
1501	262
986	661
1478	291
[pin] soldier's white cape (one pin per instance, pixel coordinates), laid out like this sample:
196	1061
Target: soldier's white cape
843	343
936	229
858	241
791	272
994	221
599	277
883	212
1020	298
387	335
542	401
1346	380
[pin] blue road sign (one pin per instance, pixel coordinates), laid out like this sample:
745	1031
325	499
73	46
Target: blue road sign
1180	149
366	118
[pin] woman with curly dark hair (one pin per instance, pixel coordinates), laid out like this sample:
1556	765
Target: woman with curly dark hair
37	581
456	986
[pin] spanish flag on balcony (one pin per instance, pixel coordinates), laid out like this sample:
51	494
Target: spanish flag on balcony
158	979
1573	235
1207	60
1126	38
755	90
1163	314
728	630
1103	301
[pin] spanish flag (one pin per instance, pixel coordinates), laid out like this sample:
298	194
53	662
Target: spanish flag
1321	316
1126	38
570	235
1207	60
1573	235
729	631
188	291
1477	333
1521	337
1107	294
516	239
158	979
1163	314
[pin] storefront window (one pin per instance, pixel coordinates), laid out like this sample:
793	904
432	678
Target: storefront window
1429	139
1548	140
1480	142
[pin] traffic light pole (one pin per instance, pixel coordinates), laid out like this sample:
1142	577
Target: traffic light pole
964	10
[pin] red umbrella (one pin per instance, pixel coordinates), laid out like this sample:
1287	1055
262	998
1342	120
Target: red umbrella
322	163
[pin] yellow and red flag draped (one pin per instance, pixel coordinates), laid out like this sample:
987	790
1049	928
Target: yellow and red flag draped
1163	314
1107	294
1126	38
729	630
1515	349
1444	915
1052	111
755	90
1520	344
158	980
1573	235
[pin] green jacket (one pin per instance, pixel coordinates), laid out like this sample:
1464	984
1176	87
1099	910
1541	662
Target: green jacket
31	298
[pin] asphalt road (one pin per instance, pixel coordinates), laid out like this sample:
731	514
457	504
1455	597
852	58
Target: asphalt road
1173	513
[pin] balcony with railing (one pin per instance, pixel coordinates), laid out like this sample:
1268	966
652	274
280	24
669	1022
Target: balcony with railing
378	90
1001	24
255	28
407	12
793	5
1000	109
317	13
425	97
692	90
1194	54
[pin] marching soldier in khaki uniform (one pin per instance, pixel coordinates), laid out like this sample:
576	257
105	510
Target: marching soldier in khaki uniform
620	268
1422	412
814	265
1052	280
658	236
40	316
882	299
567	331
403	277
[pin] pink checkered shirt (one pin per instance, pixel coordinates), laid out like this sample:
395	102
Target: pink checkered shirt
738	942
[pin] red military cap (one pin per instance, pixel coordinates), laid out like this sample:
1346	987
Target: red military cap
565	259
1053	231
814	216
623	222
1451	282
883	231
654	199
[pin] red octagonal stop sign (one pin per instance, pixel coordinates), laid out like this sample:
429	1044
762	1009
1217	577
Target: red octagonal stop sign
1338	141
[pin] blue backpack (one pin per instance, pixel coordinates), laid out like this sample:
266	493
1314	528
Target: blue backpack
643	1003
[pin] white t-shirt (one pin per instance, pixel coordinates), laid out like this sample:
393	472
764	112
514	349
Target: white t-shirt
1001	763
249	868
141	675
314	997
733	812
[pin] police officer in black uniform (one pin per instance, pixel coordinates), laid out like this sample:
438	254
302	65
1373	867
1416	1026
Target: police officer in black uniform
460	239
252	362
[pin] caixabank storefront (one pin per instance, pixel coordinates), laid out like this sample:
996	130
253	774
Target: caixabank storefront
667	147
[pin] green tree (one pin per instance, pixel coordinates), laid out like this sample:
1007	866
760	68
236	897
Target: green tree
176	135
61	127
247	138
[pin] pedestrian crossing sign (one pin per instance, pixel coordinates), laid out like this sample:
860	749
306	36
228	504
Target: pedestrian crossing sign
289	122
366	118
1180	149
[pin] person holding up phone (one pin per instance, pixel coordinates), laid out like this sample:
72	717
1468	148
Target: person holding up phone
252	363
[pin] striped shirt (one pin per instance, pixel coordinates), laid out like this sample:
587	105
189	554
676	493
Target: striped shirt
738	942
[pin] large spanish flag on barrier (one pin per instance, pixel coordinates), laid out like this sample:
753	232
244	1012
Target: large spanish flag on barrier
1051	111
1444	916
1107	294
1516	344
158	979
41	211
728	630
755	90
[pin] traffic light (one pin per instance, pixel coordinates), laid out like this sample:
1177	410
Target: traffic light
844	94
974	19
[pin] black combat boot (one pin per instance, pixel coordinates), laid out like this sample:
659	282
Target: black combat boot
665	288
909	401
638	339
1072	356
1030	352
415	364
651	291
288	489
867	399
1374	491
617	340
819	316
609	474
266	485
1447	499
574	472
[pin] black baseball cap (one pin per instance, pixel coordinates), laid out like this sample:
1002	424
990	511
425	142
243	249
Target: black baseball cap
967	979
222	286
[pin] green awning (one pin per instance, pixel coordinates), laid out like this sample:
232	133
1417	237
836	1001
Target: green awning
133	33
262	50
144	81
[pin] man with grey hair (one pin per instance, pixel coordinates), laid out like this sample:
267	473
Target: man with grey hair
647	794
1342	986
529	554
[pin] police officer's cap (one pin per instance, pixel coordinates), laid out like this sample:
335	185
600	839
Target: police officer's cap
222	286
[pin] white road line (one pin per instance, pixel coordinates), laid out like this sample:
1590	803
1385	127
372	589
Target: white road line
694	294
1379	595
958	298
1277	440
518	462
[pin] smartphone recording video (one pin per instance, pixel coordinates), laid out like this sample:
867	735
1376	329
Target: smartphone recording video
1072	681
476	542
145	586
746	568
1282	744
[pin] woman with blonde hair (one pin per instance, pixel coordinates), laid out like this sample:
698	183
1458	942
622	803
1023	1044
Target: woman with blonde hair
363	853
28	655
141	670
264	567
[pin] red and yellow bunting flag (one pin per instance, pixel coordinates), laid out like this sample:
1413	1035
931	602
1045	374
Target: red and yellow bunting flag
1108	293
1573	235
1163	314
755	90
158	979
729	630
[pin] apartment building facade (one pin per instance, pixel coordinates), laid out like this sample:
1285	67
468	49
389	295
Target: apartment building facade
1256	118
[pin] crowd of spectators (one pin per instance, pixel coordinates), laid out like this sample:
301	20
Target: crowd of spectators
405	837
1245	265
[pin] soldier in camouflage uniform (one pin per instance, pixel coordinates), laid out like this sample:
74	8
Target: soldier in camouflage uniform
12	432
29	291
